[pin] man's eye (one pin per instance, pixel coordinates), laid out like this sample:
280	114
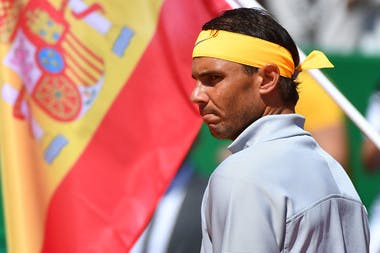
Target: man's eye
211	80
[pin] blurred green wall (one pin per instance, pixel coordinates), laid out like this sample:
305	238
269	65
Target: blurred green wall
356	76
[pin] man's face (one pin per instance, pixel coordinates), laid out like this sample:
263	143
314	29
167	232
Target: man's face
227	96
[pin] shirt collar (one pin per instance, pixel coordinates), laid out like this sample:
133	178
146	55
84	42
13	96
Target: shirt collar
267	128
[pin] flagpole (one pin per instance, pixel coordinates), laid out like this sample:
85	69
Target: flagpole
328	86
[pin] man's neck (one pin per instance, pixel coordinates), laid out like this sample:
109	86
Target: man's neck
278	110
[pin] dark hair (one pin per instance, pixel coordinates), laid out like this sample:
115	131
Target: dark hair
260	24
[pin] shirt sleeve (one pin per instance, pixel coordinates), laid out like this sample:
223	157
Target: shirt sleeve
241	217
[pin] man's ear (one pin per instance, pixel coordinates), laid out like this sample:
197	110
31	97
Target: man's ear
270	75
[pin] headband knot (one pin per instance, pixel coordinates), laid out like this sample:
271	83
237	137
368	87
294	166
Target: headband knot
315	60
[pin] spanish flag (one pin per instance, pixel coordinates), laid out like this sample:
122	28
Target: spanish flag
95	117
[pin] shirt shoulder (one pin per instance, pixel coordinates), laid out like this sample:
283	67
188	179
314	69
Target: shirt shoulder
344	220
296	170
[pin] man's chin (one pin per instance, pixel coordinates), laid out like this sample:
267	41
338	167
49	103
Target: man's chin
217	133
222	133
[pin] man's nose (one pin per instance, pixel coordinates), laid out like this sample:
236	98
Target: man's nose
199	95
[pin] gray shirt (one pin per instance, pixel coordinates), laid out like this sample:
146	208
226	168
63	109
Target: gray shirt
280	192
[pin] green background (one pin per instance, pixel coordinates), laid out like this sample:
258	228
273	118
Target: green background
355	76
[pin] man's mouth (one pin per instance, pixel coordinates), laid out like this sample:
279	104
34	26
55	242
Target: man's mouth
210	118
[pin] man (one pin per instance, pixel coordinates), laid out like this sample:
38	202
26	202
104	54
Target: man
278	191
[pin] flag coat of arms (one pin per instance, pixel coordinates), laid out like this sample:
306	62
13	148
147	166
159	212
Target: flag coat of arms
95	116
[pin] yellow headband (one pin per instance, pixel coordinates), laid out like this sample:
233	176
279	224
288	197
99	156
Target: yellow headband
254	52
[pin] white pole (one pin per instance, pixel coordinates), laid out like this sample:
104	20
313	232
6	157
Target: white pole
326	84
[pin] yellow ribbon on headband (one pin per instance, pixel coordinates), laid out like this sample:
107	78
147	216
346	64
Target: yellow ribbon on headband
253	51
315	60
